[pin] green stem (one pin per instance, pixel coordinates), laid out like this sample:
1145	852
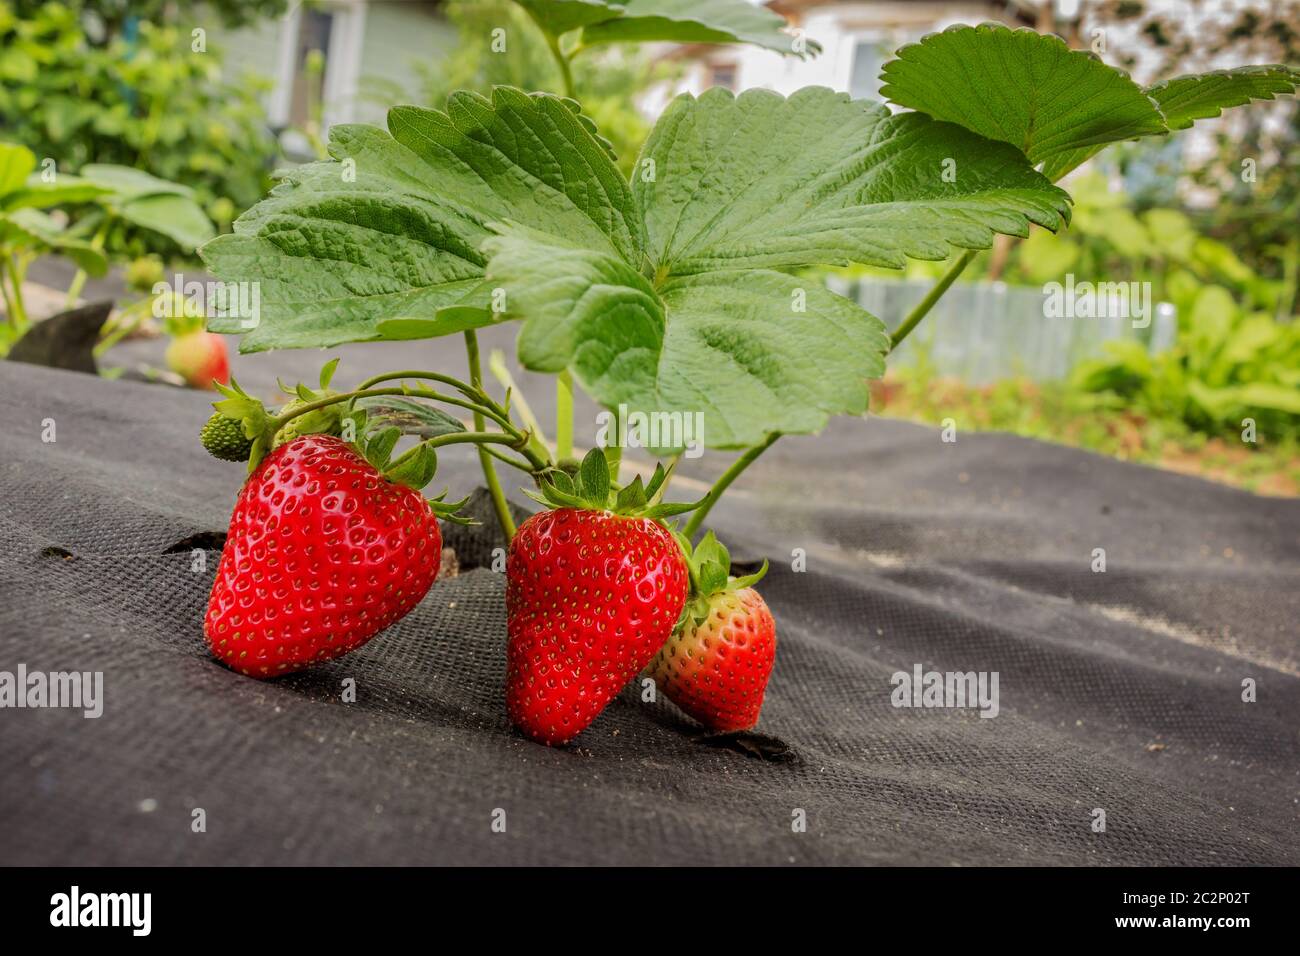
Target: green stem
499	503
97	243
721	485
925	305
455	438
4	290
479	401
469	391
563	416
136	313
566	73
515	397
512	462
282	420
18	271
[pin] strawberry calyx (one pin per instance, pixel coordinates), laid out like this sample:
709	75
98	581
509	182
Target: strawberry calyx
255	420
709	566
591	489
321	420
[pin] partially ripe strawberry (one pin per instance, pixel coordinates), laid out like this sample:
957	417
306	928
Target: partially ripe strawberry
200	358
717	663
323	553
593	589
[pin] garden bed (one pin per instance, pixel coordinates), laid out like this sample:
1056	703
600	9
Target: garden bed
1119	690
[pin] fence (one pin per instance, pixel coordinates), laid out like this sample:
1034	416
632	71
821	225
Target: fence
981	332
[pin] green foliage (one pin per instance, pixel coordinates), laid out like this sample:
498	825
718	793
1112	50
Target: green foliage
660	293
149	103
1102	422
1059	106
27	231
113	14
606	80
1229	364
1162	246
686	21
147	203
701	323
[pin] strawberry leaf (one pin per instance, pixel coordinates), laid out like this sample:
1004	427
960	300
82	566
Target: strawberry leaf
1059	106
732	345
560	16
415	470
409	415
761	180
382	241
1024	88
1185	99
694	21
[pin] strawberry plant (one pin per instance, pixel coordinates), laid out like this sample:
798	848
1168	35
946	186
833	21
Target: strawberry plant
27	231
675	291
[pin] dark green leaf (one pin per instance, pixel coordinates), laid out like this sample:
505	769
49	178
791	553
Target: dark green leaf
760	180
1024	88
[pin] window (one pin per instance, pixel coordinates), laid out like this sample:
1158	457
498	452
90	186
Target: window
864	78
722	74
319	64
308	77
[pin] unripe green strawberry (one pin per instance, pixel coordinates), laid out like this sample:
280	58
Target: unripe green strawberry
224	438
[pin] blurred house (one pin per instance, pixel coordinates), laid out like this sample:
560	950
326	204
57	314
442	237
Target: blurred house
857	38
330	52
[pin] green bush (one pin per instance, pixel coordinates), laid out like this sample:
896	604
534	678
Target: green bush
151	103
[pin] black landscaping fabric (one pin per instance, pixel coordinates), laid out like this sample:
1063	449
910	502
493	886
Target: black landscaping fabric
1119	691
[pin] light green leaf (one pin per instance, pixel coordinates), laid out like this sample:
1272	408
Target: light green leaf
734	345
176	216
128	183
37	230
383	241
16	164
38	194
698	21
1266	395
1021	87
1185	99
760	180
561	16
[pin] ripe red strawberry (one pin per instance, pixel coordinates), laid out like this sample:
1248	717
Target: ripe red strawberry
592	592
717	663
324	552
200	358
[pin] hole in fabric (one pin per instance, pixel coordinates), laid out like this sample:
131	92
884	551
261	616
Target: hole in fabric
204	541
55	552
758	746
